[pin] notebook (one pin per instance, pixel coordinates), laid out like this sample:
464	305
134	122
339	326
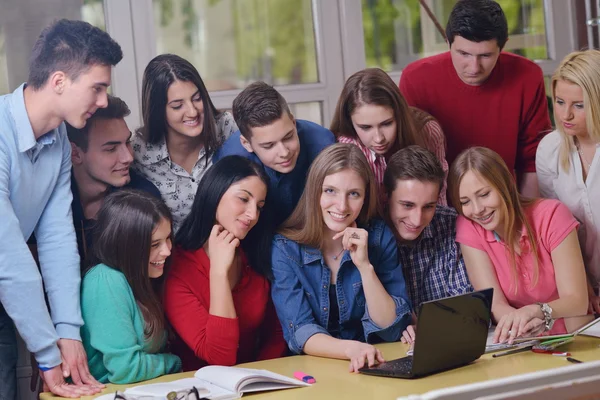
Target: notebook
451	332
589	329
221	383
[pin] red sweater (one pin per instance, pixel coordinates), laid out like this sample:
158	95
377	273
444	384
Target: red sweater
507	113
205	339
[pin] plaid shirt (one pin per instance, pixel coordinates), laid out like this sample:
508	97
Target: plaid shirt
433	266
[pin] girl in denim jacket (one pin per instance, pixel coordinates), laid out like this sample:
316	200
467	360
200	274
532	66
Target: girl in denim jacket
337	285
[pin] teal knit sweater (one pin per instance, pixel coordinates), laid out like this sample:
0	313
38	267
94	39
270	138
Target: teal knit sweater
113	333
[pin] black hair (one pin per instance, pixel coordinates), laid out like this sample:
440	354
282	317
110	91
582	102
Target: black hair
71	47
122	239
116	109
477	21
159	75
196	227
258	105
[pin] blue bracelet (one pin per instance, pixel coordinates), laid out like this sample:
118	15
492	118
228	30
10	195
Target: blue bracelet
44	369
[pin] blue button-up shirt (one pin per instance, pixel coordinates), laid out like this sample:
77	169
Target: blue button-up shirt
35	196
300	290
433	265
285	189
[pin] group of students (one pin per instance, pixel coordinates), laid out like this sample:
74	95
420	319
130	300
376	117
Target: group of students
209	237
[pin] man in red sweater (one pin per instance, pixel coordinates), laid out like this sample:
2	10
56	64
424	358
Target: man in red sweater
480	95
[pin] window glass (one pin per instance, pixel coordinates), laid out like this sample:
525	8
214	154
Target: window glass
21	22
235	42
398	32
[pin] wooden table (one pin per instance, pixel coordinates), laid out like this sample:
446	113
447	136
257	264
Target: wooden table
335	382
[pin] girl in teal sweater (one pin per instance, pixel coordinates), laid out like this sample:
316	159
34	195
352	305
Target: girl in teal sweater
125	332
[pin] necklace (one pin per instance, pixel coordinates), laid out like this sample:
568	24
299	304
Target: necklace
585	161
338	254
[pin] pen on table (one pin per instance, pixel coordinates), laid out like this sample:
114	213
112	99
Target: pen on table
514	351
574	360
304	378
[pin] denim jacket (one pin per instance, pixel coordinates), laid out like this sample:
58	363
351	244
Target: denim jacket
300	290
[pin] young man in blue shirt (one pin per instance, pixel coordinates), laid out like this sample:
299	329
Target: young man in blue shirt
430	257
69	74
271	136
102	155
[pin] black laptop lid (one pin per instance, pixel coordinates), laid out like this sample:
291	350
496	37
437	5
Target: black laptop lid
451	332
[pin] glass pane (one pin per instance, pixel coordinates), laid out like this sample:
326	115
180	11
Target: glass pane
21	22
309	111
398	32
235	42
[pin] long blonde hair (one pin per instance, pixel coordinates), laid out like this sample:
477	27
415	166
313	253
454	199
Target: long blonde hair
306	225
581	68
492	168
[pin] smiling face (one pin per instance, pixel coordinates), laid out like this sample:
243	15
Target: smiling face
481	202
342	198
276	145
240	206
569	108
80	98
109	153
375	126
185	109
160	248
412	207
474	61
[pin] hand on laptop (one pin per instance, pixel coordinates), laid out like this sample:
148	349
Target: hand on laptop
409	334
358	352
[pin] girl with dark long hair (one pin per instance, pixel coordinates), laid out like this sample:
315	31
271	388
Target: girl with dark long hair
217	294
125	329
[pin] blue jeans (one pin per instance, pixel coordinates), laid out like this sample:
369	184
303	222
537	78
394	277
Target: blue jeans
8	357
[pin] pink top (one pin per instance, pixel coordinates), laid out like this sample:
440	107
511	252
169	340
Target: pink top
552	222
434	141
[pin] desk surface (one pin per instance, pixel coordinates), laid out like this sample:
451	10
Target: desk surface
334	380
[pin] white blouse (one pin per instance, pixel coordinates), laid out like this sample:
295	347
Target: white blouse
582	198
177	186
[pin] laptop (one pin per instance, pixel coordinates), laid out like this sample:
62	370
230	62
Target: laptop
451	332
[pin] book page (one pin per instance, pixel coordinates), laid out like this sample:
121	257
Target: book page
593	330
205	389
236	379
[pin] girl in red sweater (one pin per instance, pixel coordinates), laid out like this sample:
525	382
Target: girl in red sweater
217	294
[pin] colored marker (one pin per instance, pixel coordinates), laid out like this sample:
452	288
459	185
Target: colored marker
304	378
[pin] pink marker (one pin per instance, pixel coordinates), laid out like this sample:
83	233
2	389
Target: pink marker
304	378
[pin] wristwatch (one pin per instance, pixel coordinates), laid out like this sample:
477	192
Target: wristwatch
547	311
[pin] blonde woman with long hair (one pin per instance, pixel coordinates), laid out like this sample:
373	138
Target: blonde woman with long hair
337	284
526	249
568	163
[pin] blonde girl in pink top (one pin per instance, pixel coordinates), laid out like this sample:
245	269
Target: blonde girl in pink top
526	249
372	114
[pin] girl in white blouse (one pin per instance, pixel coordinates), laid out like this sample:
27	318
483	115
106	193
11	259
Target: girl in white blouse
182	130
567	161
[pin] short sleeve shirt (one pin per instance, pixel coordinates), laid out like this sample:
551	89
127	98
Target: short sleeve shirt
551	222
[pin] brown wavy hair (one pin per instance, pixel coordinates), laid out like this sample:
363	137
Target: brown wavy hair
374	86
306	225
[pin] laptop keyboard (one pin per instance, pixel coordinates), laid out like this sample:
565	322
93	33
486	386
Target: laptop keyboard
401	366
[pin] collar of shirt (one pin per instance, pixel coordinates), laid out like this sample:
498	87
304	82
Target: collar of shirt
310	255
492	236
24	130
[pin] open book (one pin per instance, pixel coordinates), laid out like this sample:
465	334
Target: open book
220	383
